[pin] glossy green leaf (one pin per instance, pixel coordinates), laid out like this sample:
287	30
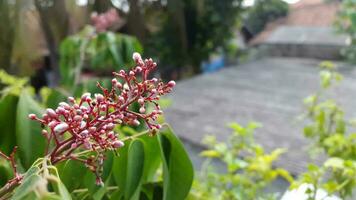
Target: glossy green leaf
152	157
120	169
177	168
28	133
135	168
8	106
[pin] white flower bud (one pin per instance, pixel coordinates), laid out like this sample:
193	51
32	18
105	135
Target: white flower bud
60	128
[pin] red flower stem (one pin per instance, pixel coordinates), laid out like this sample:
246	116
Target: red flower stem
8	188
60	149
13	183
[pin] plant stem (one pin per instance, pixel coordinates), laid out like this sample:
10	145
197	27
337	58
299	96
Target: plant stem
8	188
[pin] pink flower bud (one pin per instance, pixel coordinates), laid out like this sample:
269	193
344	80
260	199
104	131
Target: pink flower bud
142	110
71	99
64	105
83	108
92	129
32	116
77	118
60	110
99	182
136	57
60	128
85	96
84	133
110	126
132	73
118	85
114	81
135	122
141	101
83	124
50	112
45	116
121	99
171	84
99	97
45	133
138	69
103	107
52	124
74	145
118	144
87	144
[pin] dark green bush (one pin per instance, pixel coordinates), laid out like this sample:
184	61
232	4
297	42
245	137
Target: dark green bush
263	12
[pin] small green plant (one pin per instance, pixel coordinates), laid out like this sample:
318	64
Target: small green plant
327	128
249	170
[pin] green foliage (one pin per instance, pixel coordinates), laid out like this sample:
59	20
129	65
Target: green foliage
346	24
190	35
327	127
177	170
105	52
264	11
35	182
249	170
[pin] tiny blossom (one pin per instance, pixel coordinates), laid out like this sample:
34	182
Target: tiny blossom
103	21
89	122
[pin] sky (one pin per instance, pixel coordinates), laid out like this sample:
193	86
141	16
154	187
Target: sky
250	2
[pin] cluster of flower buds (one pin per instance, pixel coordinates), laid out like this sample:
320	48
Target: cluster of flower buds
105	20
88	123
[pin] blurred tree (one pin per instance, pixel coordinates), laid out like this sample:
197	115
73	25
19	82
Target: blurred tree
135	20
9	13
55	24
263	12
101	6
193	29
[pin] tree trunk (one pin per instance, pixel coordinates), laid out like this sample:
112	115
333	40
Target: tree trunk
135	21
55	25
176	13
9	18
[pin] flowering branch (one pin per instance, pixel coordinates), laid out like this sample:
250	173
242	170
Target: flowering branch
88	123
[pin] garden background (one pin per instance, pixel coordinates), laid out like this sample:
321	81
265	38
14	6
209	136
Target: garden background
260	104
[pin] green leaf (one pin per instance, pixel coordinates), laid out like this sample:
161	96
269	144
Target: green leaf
135	168
27	187
177	168
8	105
335	163
210	154
54	98
152	157
69	174
28	132
120	169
